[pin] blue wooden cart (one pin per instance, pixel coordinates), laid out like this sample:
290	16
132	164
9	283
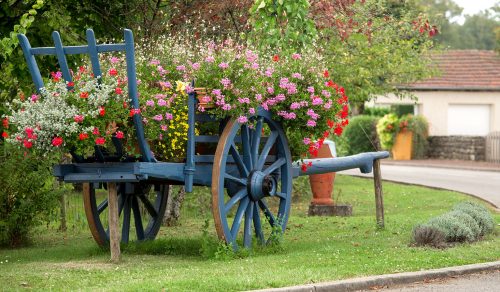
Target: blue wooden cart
250	173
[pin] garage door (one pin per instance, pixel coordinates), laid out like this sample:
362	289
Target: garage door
467	119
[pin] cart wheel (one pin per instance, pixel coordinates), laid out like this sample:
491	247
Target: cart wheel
147	202
251	179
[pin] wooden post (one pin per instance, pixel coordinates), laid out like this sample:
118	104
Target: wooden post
379	200
114	235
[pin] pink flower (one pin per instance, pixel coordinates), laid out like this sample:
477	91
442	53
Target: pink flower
195	66
226	107
312	114
270	90
27	144
310	89
297	75
296	56
269	72
255	66
280	97
95	131
206	99
317	101
164	127
181	68
78	118
210	59
251	56
242	119
217	92
150	102
166	84
100	141
162	102
57	141
158	117
169	116
294	106
328	105
114	60
154	62
306	141
34	98
226	82
258	97
311	123
223	65
135	111
113	72
251	111
118	90
119	134
326	93
201	108
244	100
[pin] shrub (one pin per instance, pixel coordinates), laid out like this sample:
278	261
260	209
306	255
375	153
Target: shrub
361	135
480	214
27	197
455	228
427	235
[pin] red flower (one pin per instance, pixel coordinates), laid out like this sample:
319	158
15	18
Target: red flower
102	111
326	74
134	111
326	134
5	135
81	69
71	84
112	72
119	134
118	90
125	104
27	144
78	118
100	141
330	123
338	130
304	167
5	123
84	94
330	84
57	141
95	131
345	123
276	58
83	136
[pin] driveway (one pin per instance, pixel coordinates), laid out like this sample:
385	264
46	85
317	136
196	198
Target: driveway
479	183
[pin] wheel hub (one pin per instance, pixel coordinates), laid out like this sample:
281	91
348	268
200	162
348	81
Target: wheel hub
261	185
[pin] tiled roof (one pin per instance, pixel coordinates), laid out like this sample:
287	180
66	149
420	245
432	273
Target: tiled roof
468	70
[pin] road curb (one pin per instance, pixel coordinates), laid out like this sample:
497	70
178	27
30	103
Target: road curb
444	165
389	279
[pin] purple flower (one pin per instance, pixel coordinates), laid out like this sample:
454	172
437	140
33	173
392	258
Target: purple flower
169	116
34	97
310	89
226	82
258	97
162	102
114	60
158	117
223	65
317	101
270	90
326	93
217	92
242	119
150	102
251	111
161	70
226	107
181	68
210	59
311	123
306	141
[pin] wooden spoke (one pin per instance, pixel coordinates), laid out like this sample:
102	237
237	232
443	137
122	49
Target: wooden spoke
245	141
247	230
257	133
267	212
239	161
139	229
240	181
102	206
239	216
149	207
258	225
282	195
277	164
126	220
265	150
236	198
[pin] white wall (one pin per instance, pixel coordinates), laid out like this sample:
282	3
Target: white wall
434	106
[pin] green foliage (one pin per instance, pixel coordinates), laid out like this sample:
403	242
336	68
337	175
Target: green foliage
420	128
282	24
467	222
376	111
361	134
483	218
28	196
387	129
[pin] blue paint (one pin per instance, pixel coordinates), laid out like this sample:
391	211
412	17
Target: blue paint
92	50
189	168
61	58
31	61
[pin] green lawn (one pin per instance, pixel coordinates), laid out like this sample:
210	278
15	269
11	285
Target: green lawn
315	249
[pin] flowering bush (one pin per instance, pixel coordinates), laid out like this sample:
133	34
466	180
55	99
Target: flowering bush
72	115
390	125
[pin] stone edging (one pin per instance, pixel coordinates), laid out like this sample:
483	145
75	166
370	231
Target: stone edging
390	279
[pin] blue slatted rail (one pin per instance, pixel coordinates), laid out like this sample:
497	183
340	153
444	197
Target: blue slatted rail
92	49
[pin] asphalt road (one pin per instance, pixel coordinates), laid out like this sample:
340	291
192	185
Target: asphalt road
487	282
483	184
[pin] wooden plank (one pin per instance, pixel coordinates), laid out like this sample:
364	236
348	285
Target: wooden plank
114	232
379	200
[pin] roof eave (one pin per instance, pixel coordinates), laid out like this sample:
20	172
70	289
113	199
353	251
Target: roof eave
448	88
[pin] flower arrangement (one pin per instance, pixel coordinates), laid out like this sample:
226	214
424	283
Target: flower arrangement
390	125
238	80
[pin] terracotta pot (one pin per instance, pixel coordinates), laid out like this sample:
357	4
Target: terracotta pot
322	184
200	93
402	148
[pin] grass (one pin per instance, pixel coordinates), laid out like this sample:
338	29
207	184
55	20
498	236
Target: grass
315	249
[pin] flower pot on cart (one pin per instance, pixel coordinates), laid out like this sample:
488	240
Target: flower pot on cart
402	148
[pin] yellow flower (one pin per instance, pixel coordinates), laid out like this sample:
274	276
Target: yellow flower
181	86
